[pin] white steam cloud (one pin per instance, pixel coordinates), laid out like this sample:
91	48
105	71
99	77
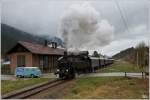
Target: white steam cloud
81	29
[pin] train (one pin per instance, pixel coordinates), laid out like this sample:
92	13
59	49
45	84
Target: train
73	63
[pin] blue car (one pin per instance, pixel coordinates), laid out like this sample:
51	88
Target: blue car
28	72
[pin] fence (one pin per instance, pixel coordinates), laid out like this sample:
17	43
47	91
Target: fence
142	74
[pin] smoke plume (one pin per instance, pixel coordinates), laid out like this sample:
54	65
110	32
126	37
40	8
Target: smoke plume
81	28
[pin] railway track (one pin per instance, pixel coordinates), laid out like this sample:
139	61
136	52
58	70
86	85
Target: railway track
32	91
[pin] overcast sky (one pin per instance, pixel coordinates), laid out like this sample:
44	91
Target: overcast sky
128	17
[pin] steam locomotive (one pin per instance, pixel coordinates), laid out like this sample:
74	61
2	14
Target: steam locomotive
79	62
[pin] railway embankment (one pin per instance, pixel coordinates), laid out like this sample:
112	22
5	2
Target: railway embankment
9	86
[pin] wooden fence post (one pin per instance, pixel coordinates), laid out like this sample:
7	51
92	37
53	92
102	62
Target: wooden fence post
125	74
142	74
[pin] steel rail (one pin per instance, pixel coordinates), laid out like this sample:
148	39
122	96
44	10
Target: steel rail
32	91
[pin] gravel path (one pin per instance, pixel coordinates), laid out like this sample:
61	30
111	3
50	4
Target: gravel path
8	77
51	75
111	74
13	77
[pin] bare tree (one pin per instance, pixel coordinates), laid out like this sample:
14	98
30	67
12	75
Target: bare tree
141	55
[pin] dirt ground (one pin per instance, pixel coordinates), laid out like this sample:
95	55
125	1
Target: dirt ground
124	88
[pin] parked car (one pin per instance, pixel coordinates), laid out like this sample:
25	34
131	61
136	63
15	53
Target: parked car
28	72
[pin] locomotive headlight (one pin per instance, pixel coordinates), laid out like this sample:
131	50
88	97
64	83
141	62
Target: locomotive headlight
66	70
58	70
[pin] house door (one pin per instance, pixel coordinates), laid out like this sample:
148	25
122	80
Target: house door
20	60
44	64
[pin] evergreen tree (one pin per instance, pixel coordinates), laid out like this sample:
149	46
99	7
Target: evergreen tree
95	54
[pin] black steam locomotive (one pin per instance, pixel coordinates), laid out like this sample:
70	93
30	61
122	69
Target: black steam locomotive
80	62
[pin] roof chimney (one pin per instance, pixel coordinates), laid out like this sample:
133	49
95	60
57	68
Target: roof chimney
45	43
54	44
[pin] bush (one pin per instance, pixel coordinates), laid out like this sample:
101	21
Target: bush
5	69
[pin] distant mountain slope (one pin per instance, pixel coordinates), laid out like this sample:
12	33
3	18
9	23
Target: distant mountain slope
125	53
128	54
10	36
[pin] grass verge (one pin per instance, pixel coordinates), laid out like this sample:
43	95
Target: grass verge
121	67
12	85
108	88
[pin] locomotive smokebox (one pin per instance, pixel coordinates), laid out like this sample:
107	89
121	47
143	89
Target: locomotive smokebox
86	53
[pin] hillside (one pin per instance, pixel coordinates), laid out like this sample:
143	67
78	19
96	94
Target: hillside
10	36
129	54
124	53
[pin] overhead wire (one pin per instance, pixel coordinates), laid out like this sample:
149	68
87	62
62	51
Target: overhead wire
122	16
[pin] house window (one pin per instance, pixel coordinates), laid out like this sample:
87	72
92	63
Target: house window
20	60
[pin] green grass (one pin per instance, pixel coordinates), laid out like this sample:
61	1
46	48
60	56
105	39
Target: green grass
108	88
11	85
121	67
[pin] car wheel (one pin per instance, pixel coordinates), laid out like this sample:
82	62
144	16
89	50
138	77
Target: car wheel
32	76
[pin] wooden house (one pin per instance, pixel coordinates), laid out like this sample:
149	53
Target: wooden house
35	55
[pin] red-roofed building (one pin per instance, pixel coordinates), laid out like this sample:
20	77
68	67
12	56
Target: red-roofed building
35	55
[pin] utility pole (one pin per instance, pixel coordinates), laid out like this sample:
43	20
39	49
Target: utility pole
137	61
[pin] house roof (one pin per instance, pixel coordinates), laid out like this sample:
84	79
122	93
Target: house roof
41	49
